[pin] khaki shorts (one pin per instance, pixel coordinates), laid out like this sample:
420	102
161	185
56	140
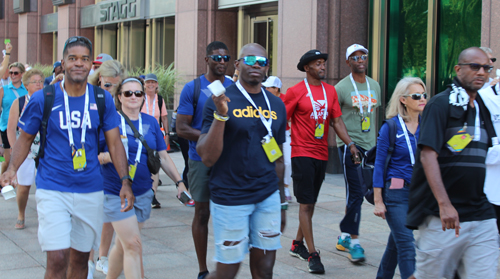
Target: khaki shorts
198	177
474	254
69	220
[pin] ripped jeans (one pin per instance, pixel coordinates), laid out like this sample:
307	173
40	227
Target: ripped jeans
237	228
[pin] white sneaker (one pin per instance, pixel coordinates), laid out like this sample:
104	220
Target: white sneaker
90	275
102	265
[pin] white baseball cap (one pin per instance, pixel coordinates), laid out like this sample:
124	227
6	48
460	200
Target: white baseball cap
272	81
353	48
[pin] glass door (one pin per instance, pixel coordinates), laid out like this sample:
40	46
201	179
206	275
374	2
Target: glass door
264	31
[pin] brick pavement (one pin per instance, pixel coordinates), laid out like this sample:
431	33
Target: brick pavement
169	250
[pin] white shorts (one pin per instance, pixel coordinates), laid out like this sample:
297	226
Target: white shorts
26	173
69	220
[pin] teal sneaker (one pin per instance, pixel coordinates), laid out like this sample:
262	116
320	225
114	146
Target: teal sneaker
343	244
357	254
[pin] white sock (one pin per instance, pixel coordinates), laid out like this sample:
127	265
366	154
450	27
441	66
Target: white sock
344	235
354	242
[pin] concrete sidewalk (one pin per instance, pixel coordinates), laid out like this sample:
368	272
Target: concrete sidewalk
168	245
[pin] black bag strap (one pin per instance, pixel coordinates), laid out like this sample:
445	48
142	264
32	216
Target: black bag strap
160	105
22	101
196	93
48	102
137	135
100	100
392	142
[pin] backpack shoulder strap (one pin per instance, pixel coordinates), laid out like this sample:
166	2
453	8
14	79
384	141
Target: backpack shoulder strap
196	93
100	100
21	101
392	141
48	103
160	105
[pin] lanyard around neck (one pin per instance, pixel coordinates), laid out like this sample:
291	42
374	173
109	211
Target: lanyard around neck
359	96
408	142
68	116
147	105
267	123
315	113
124	133
477	126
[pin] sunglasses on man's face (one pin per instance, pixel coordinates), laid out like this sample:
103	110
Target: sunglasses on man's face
417	96
218	58
252	60
129	93
476	67
14	73
356	58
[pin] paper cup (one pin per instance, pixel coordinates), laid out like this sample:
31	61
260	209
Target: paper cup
8	192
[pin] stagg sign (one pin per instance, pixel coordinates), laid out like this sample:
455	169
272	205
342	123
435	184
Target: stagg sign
118	10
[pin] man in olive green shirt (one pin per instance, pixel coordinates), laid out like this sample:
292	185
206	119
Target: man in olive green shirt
358	96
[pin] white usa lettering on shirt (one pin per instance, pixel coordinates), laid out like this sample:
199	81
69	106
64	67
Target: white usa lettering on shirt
76	120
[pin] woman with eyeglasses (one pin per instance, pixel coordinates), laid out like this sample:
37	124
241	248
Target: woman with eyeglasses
8	94
391	184
127	253
109	75
33	79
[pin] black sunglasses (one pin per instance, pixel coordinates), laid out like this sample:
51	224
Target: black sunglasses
252	59
218	58
14	73
417	96
493	60
75	39
129	93
475	67
356	58
108	84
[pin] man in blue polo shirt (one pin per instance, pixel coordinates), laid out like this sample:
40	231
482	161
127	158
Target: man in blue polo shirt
69	192
189	120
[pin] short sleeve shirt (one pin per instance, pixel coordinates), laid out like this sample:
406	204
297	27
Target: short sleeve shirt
243	174
56	171
463	174
142	180
151	107
186	108
349	104
300	111
8	97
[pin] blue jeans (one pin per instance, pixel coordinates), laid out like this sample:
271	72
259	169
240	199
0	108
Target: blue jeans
400	245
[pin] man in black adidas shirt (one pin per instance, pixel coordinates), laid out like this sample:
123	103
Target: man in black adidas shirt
447	204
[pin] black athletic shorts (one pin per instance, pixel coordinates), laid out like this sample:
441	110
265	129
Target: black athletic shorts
5	140
308	175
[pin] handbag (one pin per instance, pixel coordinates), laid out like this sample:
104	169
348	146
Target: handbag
154	162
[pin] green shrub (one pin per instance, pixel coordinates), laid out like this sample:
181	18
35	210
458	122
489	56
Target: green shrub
46	69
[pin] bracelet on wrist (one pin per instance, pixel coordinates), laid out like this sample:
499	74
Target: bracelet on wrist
284	206
178	182
126	177
220	117
7	53
351	143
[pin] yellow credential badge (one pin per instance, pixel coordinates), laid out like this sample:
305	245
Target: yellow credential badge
272	150
79	160
131	170
457	143
319	131
365	124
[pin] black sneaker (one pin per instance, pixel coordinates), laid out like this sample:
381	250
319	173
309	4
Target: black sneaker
299	250
155	203
315	265
159	182
203	274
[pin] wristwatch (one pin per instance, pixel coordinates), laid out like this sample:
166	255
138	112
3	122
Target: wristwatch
178	182
351	143
126	177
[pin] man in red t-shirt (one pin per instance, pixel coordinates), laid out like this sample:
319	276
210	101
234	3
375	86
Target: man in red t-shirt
310	146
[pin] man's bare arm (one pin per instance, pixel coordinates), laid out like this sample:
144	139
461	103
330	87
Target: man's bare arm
184	129
448	213
338	124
